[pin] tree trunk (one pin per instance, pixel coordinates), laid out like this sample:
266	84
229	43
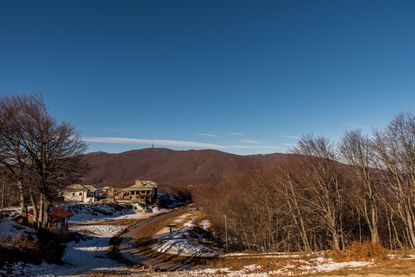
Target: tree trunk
374	225
46	213
22	201
336	240
300	223
409	223
390	233
35	222
41	212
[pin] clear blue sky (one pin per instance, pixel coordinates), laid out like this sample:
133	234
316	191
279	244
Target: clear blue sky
240	76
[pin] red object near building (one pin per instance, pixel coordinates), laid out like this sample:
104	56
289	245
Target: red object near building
59	219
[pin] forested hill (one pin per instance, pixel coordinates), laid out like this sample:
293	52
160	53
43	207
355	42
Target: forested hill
169	166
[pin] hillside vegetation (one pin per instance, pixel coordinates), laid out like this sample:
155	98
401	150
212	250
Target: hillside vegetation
325	197
165	166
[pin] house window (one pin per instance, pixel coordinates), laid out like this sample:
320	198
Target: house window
80	194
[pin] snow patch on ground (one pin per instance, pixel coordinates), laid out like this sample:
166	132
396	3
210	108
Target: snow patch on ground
268	255
400	257
186	242
298	267
89	255
190	240
87	213
97	212
249	270
139	215
11	230
185	220
182	220
319	264
98	230
85	255
205	224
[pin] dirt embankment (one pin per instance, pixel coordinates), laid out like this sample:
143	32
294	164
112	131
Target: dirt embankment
141	243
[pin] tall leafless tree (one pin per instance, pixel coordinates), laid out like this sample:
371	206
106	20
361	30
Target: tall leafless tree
321	178
12	154
394	151
356	149
49	150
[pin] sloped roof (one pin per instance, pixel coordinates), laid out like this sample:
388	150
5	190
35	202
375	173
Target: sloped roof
91	188
139	184
60	213
79	187
142	185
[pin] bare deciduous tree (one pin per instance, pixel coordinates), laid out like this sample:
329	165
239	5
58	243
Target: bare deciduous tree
394	151
12	154
311	200
321	178
44	151
356	149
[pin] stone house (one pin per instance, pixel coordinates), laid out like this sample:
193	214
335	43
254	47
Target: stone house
107	191
144	192
81	193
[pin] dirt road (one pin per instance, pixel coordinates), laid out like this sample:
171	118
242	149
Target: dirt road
134	245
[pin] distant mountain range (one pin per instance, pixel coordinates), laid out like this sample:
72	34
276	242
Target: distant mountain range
195	167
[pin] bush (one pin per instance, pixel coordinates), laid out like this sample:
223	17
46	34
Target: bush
49	248
366	251
19	249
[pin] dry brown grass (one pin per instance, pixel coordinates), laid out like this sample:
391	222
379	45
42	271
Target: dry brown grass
238	263
19	243
19	249
357	251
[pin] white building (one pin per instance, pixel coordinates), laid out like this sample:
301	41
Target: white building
81	193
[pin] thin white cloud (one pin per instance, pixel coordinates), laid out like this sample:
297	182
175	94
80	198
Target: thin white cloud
252	147
250	141
208	135
177	143
235	134
158	142
290	144
291	137
106	129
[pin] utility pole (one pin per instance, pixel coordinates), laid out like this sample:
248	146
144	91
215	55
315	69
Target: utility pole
226	233
2	199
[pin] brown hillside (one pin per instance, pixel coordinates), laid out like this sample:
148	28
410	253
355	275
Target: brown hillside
166	166
270	159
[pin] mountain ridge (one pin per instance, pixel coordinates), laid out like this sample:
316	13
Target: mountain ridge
173	167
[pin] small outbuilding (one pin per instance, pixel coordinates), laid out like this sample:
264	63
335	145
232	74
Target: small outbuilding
60	218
